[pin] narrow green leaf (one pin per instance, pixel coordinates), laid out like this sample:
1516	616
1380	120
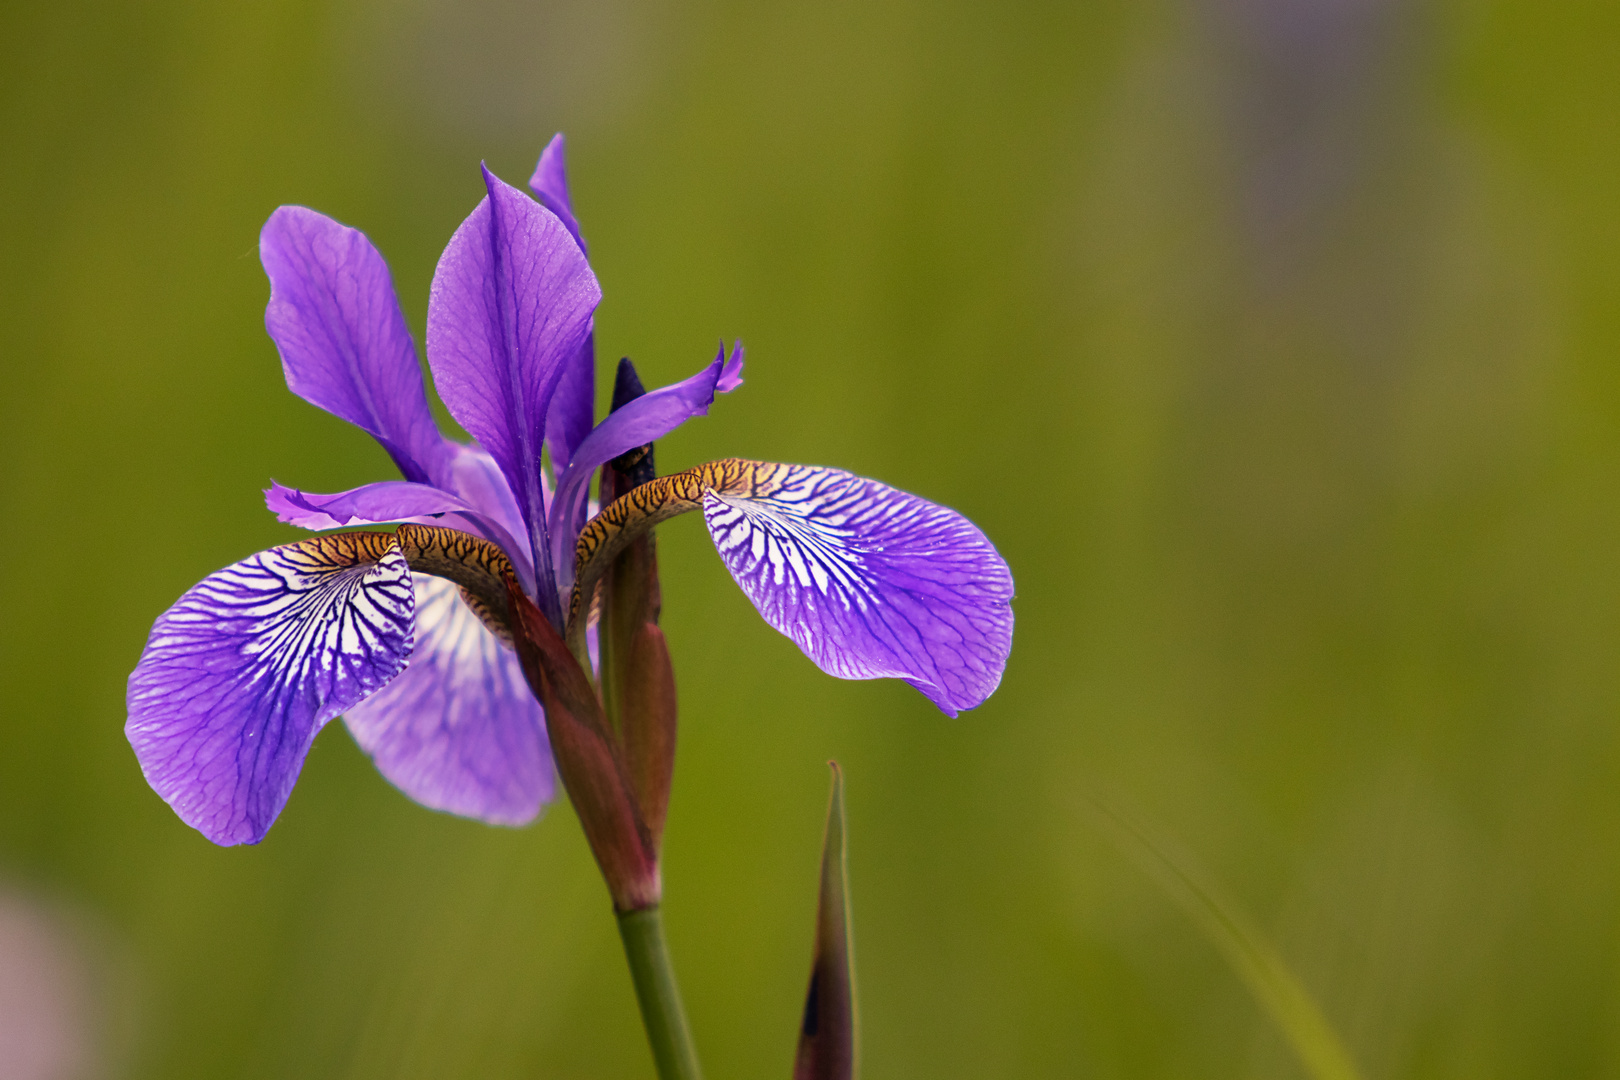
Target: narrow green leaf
1277	989
827	1034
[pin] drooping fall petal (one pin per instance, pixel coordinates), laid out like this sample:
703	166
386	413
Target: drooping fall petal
869	581
243	671
459	729
343	341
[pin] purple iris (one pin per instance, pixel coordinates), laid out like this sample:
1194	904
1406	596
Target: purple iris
244	670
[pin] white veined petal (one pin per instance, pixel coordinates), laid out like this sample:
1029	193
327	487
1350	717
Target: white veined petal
243	671
460	730
869	581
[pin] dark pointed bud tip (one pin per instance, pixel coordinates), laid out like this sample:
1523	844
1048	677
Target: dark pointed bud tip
811	1023
636	464
626	384
627	461
827	1035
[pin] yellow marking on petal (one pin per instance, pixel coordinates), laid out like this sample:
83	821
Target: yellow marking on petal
338	550
480	567
652	503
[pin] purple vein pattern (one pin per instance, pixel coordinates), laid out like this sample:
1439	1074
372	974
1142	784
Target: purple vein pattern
243	671
869	581
344	346
247	667
511	302
460	730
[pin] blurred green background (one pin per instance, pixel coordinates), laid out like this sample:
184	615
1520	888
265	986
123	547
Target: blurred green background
1273	341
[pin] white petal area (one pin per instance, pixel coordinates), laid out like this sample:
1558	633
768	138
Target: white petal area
243	671
459	730
869	581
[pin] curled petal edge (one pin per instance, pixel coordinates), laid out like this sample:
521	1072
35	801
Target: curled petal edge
392	501
646	419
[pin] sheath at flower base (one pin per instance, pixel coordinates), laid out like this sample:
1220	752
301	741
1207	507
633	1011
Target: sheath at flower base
410	635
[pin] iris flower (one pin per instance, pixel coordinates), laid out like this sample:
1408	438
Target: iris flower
404	634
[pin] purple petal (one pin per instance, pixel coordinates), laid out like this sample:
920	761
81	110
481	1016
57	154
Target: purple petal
871	582
391	501
511	305
459	730
344	347
639	422
480	483
550	184
731	373
370	504
240	674
573	405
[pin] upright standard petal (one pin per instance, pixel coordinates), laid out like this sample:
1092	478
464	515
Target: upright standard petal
645	419
243	671
511	304
343	342
459	730
869	581
550	185
573	407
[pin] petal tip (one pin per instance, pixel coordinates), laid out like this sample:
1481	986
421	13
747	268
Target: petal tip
731	372
550	170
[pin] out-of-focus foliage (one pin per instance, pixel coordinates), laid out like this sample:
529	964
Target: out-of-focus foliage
1275	342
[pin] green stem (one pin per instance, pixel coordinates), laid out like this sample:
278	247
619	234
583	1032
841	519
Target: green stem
660	1000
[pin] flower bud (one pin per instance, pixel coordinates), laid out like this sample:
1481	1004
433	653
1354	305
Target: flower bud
588	759
637	678
827	1041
